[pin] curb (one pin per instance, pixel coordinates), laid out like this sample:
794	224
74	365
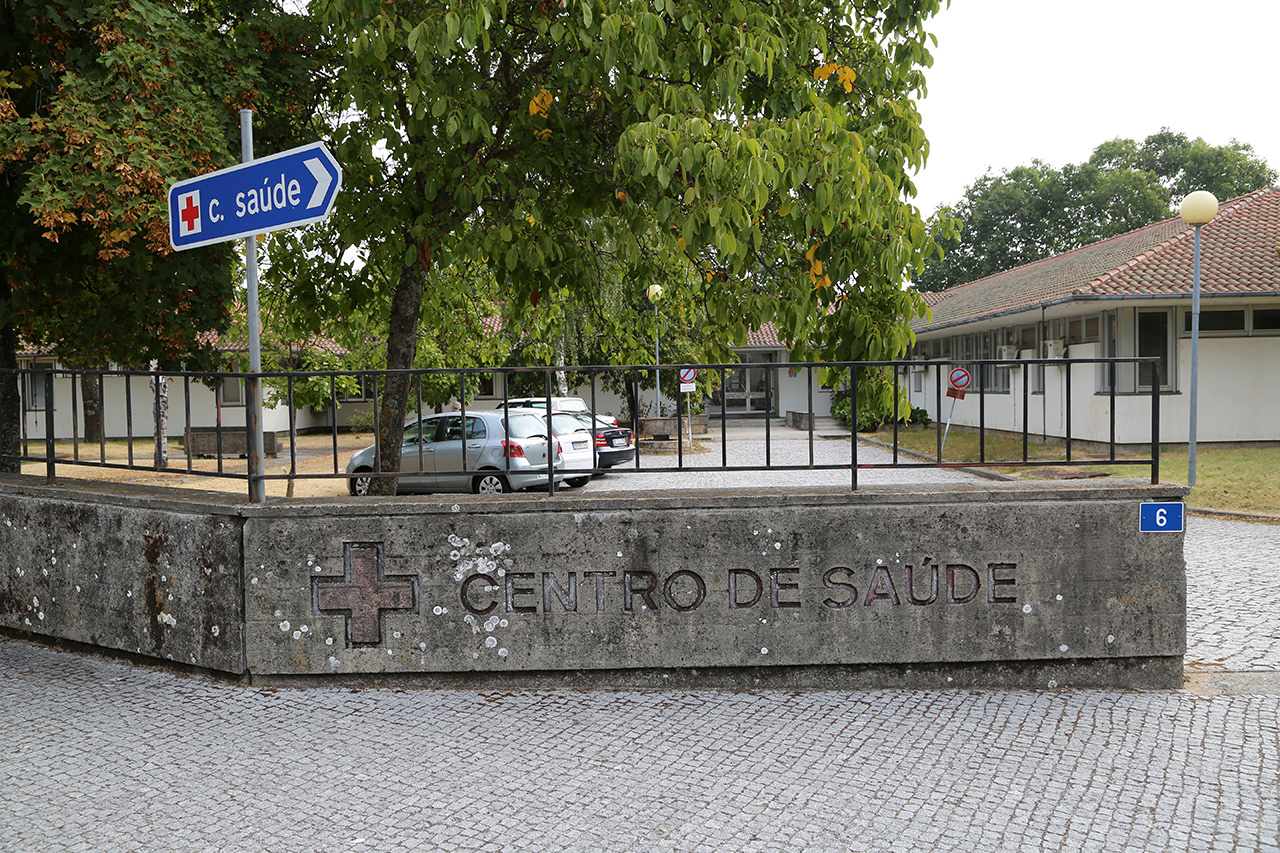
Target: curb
977	472
992	475
1228	514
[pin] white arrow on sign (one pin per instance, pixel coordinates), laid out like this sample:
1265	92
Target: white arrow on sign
323	180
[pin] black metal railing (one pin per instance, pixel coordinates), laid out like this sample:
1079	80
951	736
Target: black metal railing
210	408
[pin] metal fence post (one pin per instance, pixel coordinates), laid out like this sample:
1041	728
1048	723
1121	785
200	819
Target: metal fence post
49	464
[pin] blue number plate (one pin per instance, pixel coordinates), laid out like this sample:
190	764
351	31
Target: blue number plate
1161	517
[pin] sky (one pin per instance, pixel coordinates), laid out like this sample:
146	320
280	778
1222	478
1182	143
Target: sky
1017	80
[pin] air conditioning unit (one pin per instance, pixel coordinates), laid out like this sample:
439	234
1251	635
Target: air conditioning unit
918	367
1008	353
1055	349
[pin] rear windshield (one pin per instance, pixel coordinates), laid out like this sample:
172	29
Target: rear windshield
525	426
562	424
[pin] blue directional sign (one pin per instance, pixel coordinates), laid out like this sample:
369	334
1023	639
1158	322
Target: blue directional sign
295	187
1160	517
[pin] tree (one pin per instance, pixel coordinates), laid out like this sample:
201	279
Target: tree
103	103
767	146
1031	212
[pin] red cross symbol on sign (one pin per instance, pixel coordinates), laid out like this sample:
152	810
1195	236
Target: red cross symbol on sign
189	212
363	593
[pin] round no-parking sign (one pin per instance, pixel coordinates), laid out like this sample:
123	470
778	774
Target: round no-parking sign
959	378
688	374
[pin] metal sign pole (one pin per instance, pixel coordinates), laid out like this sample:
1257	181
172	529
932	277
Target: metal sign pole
253	410
947	431
688	404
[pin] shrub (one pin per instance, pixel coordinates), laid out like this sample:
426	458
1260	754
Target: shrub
361	421
841	408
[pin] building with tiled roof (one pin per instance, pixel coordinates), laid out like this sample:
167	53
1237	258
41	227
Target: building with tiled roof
1130	295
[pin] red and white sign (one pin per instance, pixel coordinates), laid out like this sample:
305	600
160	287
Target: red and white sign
959	378
189	213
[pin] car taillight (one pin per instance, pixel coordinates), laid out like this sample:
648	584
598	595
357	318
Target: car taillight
601	441
512	450
559	448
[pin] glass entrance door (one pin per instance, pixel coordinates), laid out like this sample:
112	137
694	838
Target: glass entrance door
748	387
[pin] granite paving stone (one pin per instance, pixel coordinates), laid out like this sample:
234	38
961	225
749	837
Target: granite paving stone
97	754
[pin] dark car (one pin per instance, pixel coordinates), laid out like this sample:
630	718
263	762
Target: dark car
614	444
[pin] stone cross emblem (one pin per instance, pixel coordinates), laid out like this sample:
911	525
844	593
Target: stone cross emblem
364	592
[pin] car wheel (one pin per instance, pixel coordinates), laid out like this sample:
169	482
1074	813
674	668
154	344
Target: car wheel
577	482
490	484
360	485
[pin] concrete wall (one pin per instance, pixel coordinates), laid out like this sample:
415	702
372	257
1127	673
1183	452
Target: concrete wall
1053	582
127	572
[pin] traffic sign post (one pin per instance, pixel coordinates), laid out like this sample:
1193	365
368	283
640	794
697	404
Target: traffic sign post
687	377
958	380
285	190
688	385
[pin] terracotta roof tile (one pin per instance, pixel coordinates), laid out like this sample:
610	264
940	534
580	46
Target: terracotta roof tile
765	336
1238	254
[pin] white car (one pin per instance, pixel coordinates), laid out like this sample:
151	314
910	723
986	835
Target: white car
575	447
572	405
574	438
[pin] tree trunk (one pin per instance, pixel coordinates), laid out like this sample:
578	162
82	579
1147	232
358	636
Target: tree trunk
402	348
560	383
10	403
293	469
91	393
10	395
160	393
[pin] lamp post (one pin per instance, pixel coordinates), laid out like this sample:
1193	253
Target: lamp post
1199	208
655	293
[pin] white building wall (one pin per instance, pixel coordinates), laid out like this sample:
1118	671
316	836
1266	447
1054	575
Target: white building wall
1239	393
793	392
129	406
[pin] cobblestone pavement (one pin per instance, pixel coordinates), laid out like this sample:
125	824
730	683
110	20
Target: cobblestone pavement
102	756
1233	596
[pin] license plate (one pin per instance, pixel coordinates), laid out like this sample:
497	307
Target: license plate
579	445
618	442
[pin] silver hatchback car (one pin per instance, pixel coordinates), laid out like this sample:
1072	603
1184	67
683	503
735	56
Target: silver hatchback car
487	457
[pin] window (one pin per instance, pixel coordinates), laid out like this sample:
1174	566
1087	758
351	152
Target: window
232	391
33	387
366	388
1219	322
481	384
1266	319
1153	340
992	379
1092	329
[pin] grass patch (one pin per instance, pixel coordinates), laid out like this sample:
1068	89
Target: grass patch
1237	478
